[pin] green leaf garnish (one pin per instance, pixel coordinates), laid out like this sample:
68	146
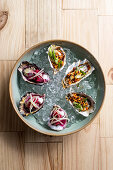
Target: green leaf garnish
85	99
82	72
75	72
56	60
50	52
78	106
52	55
60	64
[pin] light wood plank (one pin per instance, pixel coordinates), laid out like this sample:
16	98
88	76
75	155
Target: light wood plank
11	151
105	7
33	136
9	121
81	150
79	4
106	154
43	156
96	120
43	21
105	46
31	22
77	27
50	28
60	157
106	114
12	36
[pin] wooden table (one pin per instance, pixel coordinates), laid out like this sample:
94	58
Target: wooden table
86	22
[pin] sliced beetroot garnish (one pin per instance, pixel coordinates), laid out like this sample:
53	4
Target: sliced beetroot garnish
33	74
58	118
31	103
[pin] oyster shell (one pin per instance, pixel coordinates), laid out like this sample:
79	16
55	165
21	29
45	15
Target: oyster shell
76	72
31	103
82	103
57	58
58	118
33	74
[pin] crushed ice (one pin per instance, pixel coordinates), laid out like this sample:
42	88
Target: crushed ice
55	94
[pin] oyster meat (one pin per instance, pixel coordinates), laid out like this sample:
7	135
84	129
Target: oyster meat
58	118
31	103
82	103
33	74
57	58
77	72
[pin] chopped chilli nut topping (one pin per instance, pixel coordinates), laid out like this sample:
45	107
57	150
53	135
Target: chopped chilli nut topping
79	102
77	74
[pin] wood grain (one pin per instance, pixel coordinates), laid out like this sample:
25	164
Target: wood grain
43	21
9	121
12	36
77	27
28	23
106	114
33	136
106	152
43	156
81	150
96	120
31	22
11	151
104	7
105	47
79	4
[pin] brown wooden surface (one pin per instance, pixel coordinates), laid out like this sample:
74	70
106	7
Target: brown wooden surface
86	22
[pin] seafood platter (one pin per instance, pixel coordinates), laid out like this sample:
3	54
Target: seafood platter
57	87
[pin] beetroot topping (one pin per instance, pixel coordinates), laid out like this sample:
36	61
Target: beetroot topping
31	103
58	118
33	74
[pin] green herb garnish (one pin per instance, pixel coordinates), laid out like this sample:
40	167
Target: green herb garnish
78	106
50	52
85	99
60	64
52	55
56	60
82	72
75	72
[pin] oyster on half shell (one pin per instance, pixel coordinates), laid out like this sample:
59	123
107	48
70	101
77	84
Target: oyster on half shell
76	72
33	74
31	103
58	118
57	58
82	103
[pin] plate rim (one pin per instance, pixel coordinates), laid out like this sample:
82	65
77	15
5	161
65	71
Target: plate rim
11	97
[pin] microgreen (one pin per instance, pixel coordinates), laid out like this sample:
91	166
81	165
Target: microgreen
78	106
50	52
60	64
82	72
56	60
52	55
85	99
